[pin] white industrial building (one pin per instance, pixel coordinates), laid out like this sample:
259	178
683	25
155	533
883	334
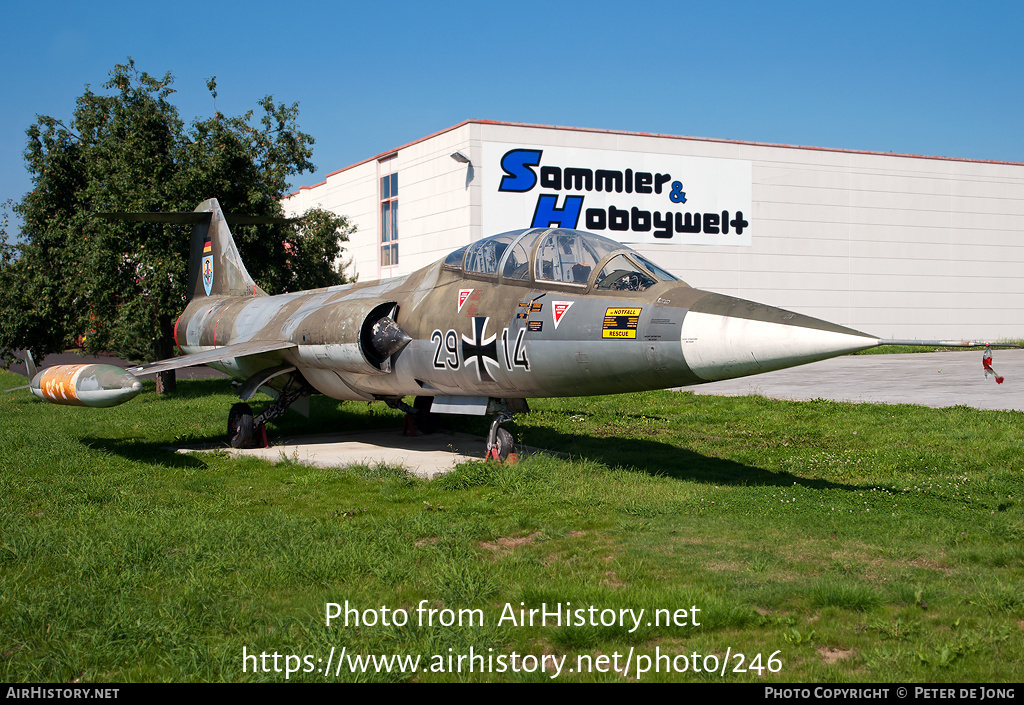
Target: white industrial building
899	246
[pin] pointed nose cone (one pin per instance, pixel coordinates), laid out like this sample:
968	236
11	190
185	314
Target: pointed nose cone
725	337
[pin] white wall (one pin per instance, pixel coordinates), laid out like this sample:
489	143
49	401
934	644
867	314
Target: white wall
435	212
897	246
351	192
893	245
435	209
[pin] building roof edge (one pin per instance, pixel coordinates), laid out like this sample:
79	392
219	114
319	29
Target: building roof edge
717	140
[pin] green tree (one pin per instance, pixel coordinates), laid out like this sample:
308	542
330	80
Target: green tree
122	284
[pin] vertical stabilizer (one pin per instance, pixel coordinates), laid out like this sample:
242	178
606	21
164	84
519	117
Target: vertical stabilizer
214	267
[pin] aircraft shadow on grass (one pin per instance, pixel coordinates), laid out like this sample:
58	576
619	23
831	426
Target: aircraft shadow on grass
650	457
661	459
156	454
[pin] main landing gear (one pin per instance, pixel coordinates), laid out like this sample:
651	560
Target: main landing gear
246	430
241	424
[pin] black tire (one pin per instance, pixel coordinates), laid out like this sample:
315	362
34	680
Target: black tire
240	426
503	443
426	422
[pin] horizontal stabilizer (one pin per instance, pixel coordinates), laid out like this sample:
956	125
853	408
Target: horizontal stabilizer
253	347
194	218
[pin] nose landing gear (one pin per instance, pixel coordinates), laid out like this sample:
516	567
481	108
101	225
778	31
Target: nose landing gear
500	445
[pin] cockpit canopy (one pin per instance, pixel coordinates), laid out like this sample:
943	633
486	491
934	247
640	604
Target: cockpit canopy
559	256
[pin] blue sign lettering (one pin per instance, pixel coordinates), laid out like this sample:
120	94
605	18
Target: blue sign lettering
548	213
519	177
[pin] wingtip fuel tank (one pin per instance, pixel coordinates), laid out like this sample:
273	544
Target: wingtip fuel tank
85	385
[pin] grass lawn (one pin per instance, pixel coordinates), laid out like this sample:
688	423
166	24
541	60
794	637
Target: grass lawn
818	541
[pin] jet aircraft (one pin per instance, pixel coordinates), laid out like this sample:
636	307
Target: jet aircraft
541	312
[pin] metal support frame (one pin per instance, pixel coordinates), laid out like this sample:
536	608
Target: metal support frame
397	403
294	389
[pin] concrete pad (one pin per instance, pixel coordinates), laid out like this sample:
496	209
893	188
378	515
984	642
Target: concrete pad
424	456
937	379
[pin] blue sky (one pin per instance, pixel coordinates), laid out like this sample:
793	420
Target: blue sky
937	78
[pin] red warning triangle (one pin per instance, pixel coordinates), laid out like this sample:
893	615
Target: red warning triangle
558	309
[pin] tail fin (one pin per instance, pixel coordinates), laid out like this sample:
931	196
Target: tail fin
214	267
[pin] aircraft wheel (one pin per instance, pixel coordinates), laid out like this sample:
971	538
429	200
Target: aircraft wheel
240	426
503	444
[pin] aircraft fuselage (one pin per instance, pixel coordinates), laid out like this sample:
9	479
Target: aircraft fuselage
472	335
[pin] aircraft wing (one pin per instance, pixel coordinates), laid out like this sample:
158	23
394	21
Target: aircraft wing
253	347
945	343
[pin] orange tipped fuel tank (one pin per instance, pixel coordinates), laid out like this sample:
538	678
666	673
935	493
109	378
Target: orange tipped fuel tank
85	385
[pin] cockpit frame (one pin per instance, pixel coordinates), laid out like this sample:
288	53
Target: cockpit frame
572	260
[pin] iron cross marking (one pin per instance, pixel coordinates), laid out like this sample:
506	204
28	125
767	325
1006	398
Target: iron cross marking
483	350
